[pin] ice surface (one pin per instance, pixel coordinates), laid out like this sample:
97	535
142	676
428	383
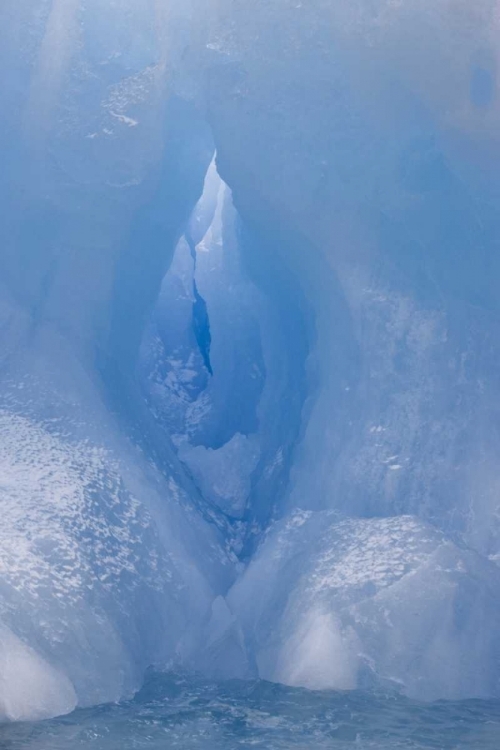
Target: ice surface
333	603
226	471
193	348
30	687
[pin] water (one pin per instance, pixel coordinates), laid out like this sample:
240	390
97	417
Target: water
174	711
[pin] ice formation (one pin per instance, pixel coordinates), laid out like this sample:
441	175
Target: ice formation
248	346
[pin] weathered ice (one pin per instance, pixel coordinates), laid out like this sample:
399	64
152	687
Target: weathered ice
249	350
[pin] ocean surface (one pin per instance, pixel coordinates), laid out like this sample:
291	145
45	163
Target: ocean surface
174	711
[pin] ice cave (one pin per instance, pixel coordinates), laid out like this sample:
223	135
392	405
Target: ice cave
249	373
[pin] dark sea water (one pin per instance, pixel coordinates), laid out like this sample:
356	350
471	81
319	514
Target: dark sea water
178	712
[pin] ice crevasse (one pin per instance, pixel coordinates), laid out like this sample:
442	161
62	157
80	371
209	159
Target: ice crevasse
248	346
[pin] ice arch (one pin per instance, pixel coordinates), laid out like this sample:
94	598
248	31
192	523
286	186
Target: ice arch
275	516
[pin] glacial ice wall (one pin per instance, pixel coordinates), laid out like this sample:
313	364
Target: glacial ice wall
375	144
374	148
250	426
107	564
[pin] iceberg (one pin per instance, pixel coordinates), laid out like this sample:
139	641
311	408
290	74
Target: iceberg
248	347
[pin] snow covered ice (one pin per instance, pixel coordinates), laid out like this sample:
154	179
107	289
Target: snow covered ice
249	351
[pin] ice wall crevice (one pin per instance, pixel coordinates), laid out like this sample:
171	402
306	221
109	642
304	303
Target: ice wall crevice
222	420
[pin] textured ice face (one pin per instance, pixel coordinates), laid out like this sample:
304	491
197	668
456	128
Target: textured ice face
96	571
332	603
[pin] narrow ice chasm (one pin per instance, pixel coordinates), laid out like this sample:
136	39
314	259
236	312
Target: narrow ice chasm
216	367
249	358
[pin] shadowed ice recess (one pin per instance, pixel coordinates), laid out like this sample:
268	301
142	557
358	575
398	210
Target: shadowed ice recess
249	357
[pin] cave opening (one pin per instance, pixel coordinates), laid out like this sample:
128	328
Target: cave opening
222	365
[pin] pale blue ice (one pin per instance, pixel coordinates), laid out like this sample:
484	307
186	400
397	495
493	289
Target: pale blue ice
249	371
